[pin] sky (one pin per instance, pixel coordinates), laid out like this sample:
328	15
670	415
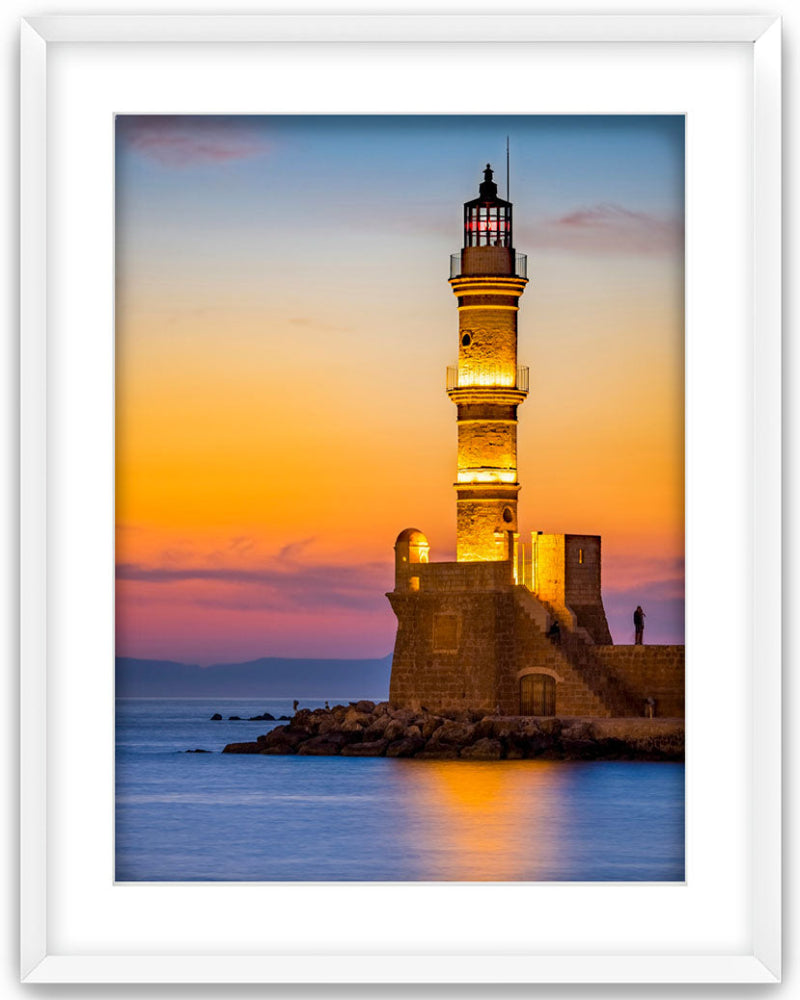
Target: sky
283	328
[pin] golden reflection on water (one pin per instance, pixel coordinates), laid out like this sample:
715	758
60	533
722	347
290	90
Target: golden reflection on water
489	821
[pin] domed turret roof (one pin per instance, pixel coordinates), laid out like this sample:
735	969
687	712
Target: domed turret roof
413	536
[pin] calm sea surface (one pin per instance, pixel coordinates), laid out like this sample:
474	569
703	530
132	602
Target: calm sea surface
229	817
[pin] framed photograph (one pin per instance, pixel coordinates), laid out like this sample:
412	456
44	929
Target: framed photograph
118	234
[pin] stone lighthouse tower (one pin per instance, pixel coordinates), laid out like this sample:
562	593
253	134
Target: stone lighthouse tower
480	633
487	385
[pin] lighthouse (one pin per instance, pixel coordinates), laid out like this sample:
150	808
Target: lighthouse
478	634
487	385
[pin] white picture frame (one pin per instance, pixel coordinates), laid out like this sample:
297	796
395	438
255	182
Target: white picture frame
55	409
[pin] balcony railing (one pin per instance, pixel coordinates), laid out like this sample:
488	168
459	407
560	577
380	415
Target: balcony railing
488	376
497	264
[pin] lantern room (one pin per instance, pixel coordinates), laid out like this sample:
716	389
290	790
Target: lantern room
487	218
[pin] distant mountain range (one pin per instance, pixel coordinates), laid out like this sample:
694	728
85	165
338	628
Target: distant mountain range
271	677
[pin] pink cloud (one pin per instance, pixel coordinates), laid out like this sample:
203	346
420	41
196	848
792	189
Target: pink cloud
609	228
181	142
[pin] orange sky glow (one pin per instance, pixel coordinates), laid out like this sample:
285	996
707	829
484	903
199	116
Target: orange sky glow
281	412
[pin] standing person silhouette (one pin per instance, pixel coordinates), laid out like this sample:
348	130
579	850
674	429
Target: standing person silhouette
638	624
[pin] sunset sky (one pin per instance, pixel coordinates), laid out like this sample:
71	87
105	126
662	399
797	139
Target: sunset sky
284	323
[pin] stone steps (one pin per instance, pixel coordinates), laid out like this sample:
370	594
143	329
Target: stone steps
588	687
572	689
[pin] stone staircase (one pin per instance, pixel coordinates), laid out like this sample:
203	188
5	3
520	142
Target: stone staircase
587	687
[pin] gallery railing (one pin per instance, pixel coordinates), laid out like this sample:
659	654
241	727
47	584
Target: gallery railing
487	375
500	264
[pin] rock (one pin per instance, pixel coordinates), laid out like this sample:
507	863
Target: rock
578	749
642	734
264	717
430	725
234	718
404	715
457	714
353	716
287	737
501	728
612	749
284	718
485	749
440	752
405	748
549	726
377	728
197	751
577	741
375	748
431	737
242	748
356	723
535	744
394	730
452	734
322	746
365	706
577	729
216	717
304	719
382	708
484	728
476	714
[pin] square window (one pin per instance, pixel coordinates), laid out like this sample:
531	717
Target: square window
445	633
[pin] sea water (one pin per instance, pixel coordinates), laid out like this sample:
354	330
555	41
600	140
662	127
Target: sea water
230	817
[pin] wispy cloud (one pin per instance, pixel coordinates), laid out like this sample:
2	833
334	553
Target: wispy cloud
279	585
622	572
607	228
175	141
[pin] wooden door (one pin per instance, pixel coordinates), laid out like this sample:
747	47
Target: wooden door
537	695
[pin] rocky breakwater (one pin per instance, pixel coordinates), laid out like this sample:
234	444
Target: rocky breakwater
364	729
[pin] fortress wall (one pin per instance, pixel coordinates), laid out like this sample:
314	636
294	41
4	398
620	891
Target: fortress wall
550	568
453	576
649	672
465	575
581	569
450	648
459	648
568	576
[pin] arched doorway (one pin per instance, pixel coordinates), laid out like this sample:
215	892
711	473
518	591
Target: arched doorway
537	695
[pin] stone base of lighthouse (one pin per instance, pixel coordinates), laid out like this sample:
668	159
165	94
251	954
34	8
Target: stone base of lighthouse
469	636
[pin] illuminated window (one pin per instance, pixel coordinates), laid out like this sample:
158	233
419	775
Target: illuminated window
580	555
487	224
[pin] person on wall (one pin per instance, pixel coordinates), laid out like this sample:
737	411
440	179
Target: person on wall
638	624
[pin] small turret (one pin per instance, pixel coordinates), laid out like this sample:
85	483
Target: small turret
411	547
